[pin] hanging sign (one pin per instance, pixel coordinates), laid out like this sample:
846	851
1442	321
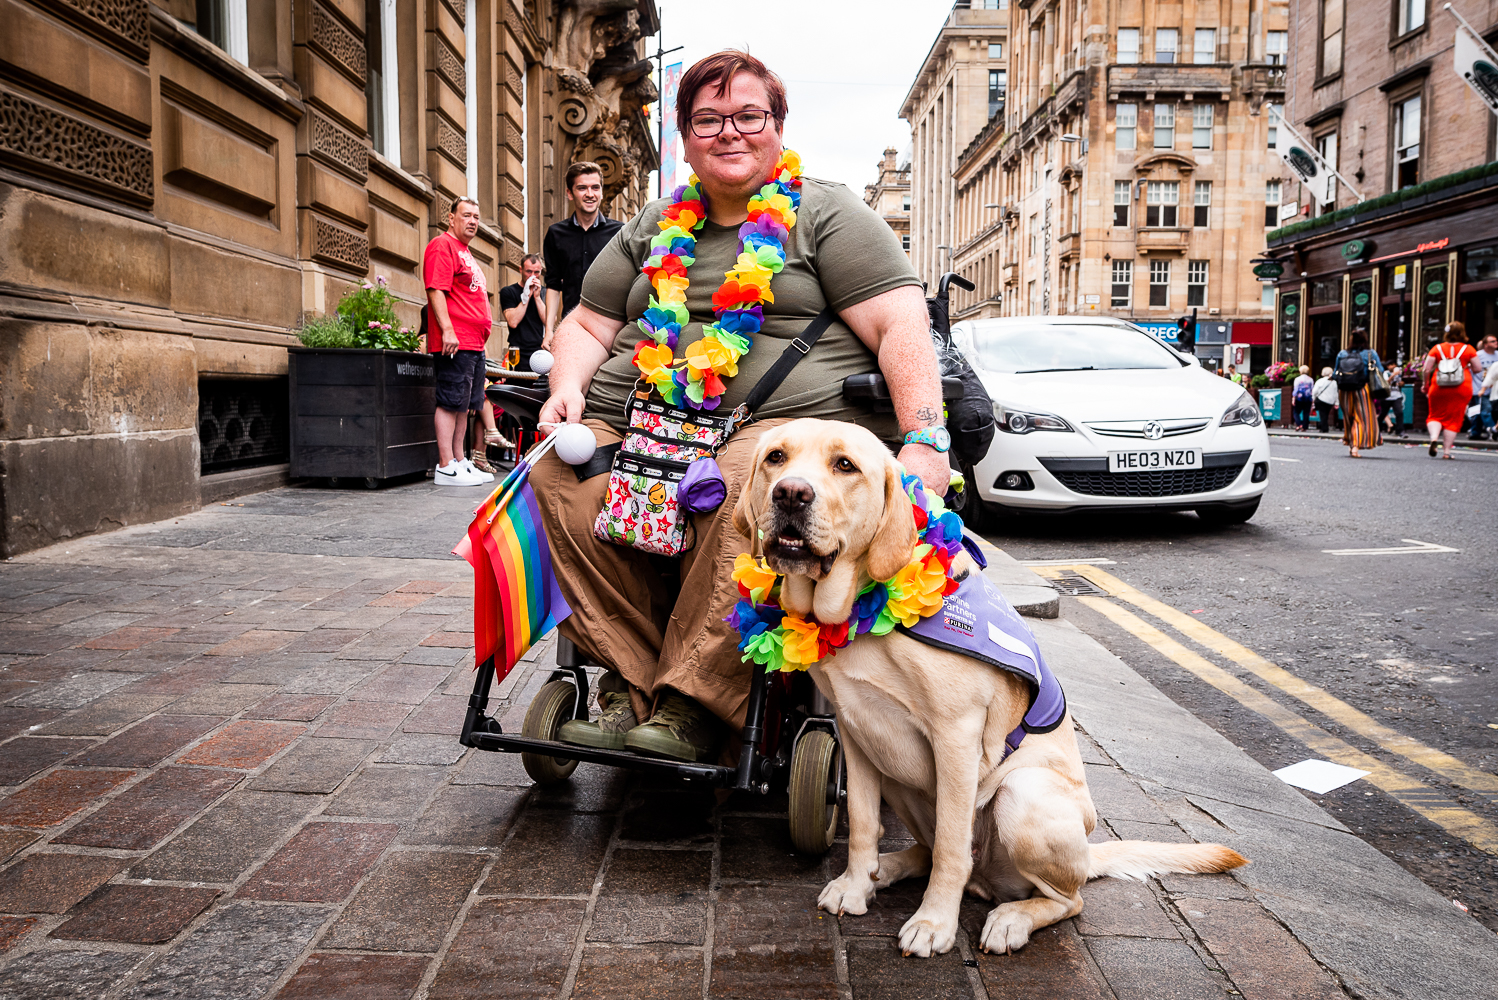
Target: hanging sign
1477	64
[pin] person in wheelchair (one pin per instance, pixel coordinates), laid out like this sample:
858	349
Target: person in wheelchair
675	679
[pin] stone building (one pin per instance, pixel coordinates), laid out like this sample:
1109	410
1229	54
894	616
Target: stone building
890	195
182	181
1131	168
1378	98
959	88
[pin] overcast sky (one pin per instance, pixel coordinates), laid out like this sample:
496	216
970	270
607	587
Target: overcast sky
846	66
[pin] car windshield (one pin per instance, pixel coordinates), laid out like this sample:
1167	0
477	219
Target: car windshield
1019	349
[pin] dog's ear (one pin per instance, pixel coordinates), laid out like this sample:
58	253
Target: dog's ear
745	518
895	537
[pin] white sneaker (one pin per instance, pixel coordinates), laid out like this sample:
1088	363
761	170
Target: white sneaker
474	470
455	473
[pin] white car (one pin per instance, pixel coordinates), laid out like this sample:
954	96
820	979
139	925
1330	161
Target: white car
1094	412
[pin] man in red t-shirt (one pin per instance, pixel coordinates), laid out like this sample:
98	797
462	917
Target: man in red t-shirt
458	323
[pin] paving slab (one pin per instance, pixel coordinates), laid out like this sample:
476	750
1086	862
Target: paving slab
149	743
321	864
53	798
313	766
51	882
65	975
510	948
134	914
408	903
325	976
649	973
229	838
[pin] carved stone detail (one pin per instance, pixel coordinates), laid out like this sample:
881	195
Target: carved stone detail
339	43
511	135
126	18
43	136
339	246
335	143
450	65
452	143
512	195
513	81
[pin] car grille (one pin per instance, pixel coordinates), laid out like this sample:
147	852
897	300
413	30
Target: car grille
1135	428
1149	484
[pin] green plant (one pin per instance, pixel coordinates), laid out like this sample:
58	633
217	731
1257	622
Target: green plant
1259	382
365	318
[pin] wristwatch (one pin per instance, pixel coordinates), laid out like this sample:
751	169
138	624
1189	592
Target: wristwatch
934	437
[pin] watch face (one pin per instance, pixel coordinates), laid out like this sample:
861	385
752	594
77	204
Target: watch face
942	439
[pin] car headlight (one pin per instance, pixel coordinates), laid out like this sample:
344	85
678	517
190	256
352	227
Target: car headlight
1243	411
1022	422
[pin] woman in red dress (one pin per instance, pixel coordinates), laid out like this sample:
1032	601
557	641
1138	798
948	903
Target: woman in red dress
1448	403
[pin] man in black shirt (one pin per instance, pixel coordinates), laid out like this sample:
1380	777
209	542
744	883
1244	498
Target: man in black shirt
572	244
525	314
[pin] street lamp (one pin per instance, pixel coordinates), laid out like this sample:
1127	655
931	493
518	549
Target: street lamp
943	246
1070	137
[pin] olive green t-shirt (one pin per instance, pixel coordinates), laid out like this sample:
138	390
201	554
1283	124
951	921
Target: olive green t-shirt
839	253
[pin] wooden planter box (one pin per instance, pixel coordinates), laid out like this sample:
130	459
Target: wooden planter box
361	414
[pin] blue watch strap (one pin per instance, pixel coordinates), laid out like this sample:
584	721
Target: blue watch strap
935	437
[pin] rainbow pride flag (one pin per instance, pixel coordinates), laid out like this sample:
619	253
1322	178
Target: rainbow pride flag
516	599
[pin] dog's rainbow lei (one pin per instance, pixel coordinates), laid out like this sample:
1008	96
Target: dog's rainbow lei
696	379
779	640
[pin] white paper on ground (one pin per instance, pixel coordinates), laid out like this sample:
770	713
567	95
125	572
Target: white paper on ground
1319	776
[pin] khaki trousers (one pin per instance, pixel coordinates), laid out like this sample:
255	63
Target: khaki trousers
623	615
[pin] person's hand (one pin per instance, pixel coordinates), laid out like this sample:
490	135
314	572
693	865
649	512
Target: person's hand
564	406
546	342
928	463
449	343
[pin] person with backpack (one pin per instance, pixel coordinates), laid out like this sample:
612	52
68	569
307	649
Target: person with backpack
1446	376
1302	392
1359	373
1324	395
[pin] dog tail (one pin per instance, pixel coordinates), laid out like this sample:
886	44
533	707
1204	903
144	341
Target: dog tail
1140	859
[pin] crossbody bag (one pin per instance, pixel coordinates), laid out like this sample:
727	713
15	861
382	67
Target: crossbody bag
666	467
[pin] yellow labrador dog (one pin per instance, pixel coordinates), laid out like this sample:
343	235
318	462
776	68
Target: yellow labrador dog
924	727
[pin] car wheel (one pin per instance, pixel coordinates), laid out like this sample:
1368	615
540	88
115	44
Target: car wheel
976	513
1224	516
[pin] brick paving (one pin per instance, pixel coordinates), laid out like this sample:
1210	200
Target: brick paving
230	773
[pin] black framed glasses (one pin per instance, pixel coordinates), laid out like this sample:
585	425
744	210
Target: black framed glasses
747	122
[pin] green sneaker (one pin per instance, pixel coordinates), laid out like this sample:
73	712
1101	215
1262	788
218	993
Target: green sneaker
680	729
616	719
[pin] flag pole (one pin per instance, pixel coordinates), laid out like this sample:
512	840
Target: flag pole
1474	32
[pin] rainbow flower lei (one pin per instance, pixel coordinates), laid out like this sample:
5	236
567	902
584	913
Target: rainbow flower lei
779	640
696	379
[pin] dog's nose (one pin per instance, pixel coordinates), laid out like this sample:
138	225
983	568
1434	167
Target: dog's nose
791	495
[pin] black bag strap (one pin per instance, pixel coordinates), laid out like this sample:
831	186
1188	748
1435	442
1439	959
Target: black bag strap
789	358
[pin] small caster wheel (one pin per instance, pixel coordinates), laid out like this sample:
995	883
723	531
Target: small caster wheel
371	483
332	482
551	708
816	765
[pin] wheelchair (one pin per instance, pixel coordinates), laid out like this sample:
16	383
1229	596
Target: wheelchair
789	741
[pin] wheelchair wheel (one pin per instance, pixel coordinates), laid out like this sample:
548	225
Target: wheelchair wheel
815	767
552	707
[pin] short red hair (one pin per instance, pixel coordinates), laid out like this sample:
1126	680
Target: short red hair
720	68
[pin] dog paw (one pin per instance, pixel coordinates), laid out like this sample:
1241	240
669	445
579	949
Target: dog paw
1006	930
846	895
925	935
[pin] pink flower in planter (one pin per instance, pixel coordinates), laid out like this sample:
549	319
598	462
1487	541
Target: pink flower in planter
365	284
381	280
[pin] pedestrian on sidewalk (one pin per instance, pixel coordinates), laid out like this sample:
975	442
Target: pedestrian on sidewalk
573	244
1487	356
523	306
1394	403
1324	395
1302	392
1360	374
1446	377
1233	376
1489	391
458	325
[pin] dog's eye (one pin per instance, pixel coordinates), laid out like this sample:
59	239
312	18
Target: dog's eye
844	464
775	457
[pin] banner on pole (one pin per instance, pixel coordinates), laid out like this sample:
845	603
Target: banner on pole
1315	173
1477	64
670	135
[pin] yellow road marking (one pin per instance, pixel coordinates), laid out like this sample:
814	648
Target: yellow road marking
1318	698
1407	791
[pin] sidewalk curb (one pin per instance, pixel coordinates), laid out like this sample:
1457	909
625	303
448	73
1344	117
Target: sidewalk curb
1377	927
1027	591
1388	439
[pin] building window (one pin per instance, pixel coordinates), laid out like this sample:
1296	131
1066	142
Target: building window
995	50
1332	15
1201	126
1201	204
1122	197
1205	50
1128	45
998	82
225	24
1165	44
1407	142
1411	15
1160	201
1165	126
1123	283
905	203
1271	204
1276	46
1034	234
905	242
1159	283
1273	132
1196	282
1126	117
382	88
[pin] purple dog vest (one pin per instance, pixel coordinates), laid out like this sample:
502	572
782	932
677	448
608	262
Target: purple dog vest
977	621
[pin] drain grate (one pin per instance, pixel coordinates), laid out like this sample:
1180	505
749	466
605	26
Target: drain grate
1075	585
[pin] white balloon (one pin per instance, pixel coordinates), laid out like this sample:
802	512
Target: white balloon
575	443
541	362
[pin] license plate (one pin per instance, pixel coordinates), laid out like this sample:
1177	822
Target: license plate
1155	460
